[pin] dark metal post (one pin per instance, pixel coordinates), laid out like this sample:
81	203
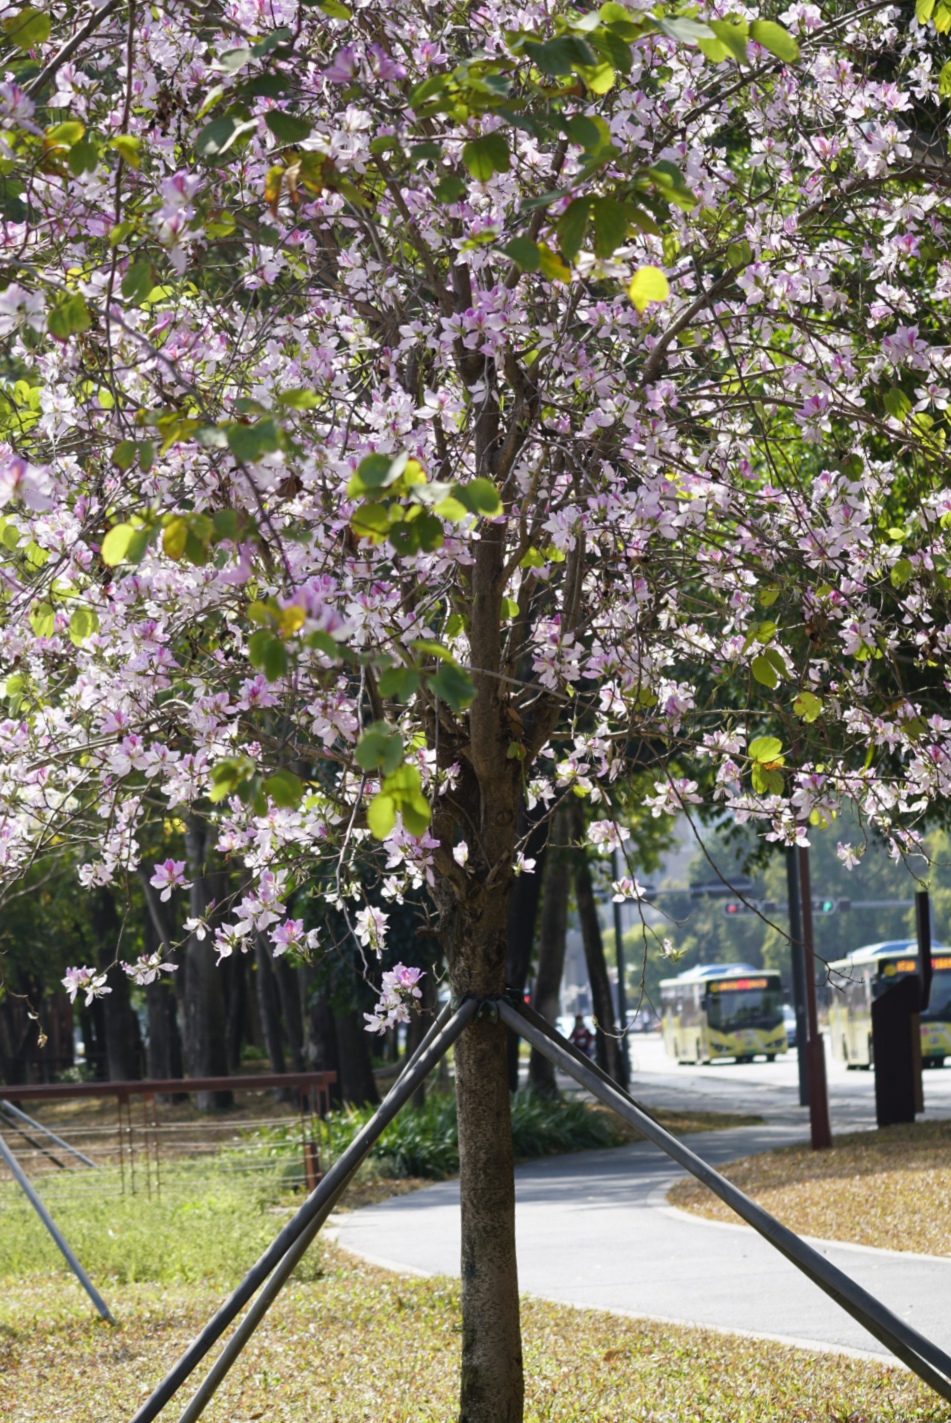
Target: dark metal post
798	971
29	1191
621	985
818	1092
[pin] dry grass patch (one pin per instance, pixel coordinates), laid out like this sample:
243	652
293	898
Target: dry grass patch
870	1188
357	1343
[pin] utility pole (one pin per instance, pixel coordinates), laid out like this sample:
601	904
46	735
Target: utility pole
621	986
798	970
818	1092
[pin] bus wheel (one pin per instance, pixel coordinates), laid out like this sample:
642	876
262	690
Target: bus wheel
770	1057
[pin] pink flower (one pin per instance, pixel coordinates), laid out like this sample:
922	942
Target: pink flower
169	875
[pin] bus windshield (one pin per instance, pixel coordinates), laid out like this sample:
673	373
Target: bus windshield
759	1006
939	1003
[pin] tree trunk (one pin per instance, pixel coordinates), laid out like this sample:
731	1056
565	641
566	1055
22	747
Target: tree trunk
607	1043
123	1037
236	1002
268	1005
357	1083
288	992
492	1384
523	916
420	1024
551	953
202	990
164	1050
320	1032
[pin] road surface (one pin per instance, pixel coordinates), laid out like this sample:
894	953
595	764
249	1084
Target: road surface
594	1228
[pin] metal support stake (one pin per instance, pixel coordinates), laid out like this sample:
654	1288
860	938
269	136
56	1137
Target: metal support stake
818	1091
798	971
621	984
35	1201
923	1357
38	1126
441	1037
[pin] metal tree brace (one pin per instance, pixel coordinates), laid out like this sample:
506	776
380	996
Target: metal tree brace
272	1270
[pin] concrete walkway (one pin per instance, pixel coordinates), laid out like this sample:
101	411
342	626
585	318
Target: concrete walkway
594	1230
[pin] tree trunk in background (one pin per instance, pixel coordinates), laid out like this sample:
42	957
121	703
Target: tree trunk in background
235	972
288	992
607	1043
122	1036
320	1031
551	951
201	987
357	1083
523	916
269	1005
164	1050
419	1025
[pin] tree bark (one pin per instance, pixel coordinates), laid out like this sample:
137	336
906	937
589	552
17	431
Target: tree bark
551	953
357	1083
523	916
202	991
607	1043
268	1005
123	1037
492	1383
419	1025
164	1048
288	992
320	1031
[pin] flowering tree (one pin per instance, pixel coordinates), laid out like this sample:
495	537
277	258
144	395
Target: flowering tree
415	415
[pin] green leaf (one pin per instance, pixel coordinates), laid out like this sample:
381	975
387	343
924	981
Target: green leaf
129	148
228	774
487	155
524	253
381	815
808	706
449	189
267	654
284	789
138	282
83	157
924	10
116	544
175	538
82	624
572	227
454	686
896	402
776	39
287	128
401	683
648	284
764	671
432	649
479	496
732	36
509	608
901	572
611	222
334	8
43	619
249	442
766	597
299	399
767	782
598	78
376	472
739	253
766	749
124	454
379	748
27	28
219	137
65	135
71	315
552	265
944	79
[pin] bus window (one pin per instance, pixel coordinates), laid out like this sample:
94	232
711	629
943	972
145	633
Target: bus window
939	1003
730	1008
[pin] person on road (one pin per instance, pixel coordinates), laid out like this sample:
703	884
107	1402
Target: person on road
582	1037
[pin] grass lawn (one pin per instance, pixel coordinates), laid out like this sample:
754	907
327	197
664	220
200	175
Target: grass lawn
355	1343
890	1187
348	1342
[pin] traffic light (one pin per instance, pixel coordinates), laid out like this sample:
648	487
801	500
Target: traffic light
736	906
830	906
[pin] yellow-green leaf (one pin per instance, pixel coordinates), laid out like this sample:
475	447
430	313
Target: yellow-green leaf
764	672
808	706
115	545
27	28
129	148
648	284
776	39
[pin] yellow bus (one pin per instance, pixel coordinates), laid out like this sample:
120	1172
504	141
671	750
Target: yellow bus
723	1010
855	981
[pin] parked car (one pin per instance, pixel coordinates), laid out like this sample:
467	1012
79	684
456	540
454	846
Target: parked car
789	1022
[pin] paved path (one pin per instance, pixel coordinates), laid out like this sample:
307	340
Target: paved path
594	1228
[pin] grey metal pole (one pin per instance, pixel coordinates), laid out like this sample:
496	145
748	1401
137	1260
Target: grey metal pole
326	1191
922	1356
35	1201
621	984
32	1122
797	956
